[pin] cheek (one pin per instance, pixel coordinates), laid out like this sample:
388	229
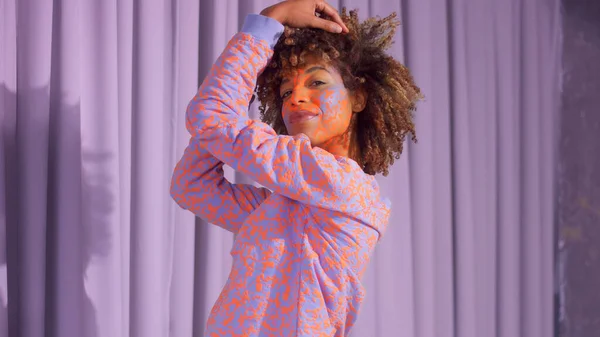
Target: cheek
334	103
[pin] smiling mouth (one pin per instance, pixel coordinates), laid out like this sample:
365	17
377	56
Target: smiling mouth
302	116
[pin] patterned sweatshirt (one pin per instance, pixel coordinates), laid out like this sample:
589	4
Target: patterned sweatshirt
303	240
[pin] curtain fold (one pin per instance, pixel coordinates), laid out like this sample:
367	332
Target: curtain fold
92	104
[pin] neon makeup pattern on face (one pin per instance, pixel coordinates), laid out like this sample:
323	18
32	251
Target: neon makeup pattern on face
331	98
336	107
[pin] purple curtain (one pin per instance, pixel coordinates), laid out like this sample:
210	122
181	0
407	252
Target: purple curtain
92	103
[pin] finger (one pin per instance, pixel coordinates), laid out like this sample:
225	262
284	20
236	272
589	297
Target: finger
326	25
335	15
326	8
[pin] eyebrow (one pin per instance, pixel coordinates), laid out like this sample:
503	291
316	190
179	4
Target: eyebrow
312	69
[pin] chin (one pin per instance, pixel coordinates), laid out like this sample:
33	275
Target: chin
307	134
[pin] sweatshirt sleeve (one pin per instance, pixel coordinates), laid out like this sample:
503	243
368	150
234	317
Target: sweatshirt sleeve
217	118
199	185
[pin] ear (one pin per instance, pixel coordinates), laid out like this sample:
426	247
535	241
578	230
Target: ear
359	100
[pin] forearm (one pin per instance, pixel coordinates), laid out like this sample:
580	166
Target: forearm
198	184
224	94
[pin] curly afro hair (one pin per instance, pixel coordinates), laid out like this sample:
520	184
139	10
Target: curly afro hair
360	58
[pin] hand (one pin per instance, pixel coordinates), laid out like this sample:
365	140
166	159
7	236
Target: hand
301	14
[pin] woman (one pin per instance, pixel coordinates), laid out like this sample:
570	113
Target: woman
336	110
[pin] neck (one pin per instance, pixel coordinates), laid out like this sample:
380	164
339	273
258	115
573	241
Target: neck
345	145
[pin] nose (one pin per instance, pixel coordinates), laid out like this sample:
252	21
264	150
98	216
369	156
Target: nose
299	95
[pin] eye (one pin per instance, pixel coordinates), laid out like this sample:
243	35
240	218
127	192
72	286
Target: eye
286	93
317	83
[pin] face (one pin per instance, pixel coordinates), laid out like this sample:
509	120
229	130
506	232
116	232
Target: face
316	102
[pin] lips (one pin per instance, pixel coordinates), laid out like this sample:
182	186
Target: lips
302	116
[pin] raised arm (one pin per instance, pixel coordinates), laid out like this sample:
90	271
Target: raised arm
217	118
198	184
